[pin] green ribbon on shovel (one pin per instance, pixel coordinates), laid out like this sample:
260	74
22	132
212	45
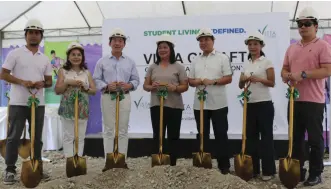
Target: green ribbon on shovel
72	96
33	99
245	95
7	93
295	94
114	95
162	92
202	94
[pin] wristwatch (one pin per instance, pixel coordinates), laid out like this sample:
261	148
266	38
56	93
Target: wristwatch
303	75
215	82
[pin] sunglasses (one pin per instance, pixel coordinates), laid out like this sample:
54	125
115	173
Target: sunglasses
306	24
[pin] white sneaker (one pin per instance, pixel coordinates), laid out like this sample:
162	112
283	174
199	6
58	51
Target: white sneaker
267	178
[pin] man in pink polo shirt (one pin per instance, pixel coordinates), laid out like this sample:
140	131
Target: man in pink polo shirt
308	63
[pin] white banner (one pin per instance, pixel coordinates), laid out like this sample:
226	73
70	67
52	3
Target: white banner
230	32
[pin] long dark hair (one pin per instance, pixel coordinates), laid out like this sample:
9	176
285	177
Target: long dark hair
172	57
261	52
67	66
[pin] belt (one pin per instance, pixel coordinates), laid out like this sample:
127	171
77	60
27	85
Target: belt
112	92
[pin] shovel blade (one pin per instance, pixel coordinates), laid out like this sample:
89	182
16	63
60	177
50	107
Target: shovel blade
115	160
289	172
31	173
160	159
202	159
3	148
76	166
243	166
24	149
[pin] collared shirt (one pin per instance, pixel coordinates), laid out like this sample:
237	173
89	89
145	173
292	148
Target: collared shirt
311	56
214	66
27	66
108	69
259	68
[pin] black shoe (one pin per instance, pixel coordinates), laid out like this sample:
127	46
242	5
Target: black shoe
313	180
9	178
256	175
225	171
303	175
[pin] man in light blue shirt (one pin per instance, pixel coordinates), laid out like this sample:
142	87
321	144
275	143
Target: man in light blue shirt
109	70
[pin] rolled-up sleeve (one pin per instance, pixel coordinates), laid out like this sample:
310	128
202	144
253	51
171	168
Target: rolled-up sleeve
98	76
134	78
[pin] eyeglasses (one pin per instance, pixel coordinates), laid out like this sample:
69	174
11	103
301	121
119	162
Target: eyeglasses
306	24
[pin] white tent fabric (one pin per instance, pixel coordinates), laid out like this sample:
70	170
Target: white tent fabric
89	14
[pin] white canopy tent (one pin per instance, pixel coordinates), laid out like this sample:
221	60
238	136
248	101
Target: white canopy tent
71	18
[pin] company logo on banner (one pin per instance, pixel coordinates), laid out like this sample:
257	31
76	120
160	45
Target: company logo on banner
267	32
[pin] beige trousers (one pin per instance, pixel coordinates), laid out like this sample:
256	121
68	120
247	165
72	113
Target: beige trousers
69	136
108	109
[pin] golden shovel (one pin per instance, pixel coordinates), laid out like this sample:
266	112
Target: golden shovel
116	159
160	158
76	165
243	163
3	143
289	169
31	169
201	158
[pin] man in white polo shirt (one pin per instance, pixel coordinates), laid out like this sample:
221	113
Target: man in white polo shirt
26	67
212	69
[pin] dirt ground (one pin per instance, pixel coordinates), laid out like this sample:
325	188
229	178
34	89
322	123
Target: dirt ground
140	175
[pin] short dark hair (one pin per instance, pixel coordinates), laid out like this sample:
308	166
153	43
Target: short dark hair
172	57
67	66
52	51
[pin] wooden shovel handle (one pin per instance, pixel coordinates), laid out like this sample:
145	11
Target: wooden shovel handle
201	124
76	122
33	124
243	145
161	125
290	129
117	122
161	84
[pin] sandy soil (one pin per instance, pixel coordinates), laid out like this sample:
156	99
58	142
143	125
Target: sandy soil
140	175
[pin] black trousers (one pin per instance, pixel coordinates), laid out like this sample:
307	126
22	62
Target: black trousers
172	119
219	120
308	116
260	118
17	118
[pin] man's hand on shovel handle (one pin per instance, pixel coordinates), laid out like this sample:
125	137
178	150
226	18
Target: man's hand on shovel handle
39	84
112	86
27	84
125	86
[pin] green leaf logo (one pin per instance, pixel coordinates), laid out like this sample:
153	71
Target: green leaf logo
262	32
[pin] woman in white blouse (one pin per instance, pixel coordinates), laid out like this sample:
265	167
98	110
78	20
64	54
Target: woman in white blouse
260	109
72	76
